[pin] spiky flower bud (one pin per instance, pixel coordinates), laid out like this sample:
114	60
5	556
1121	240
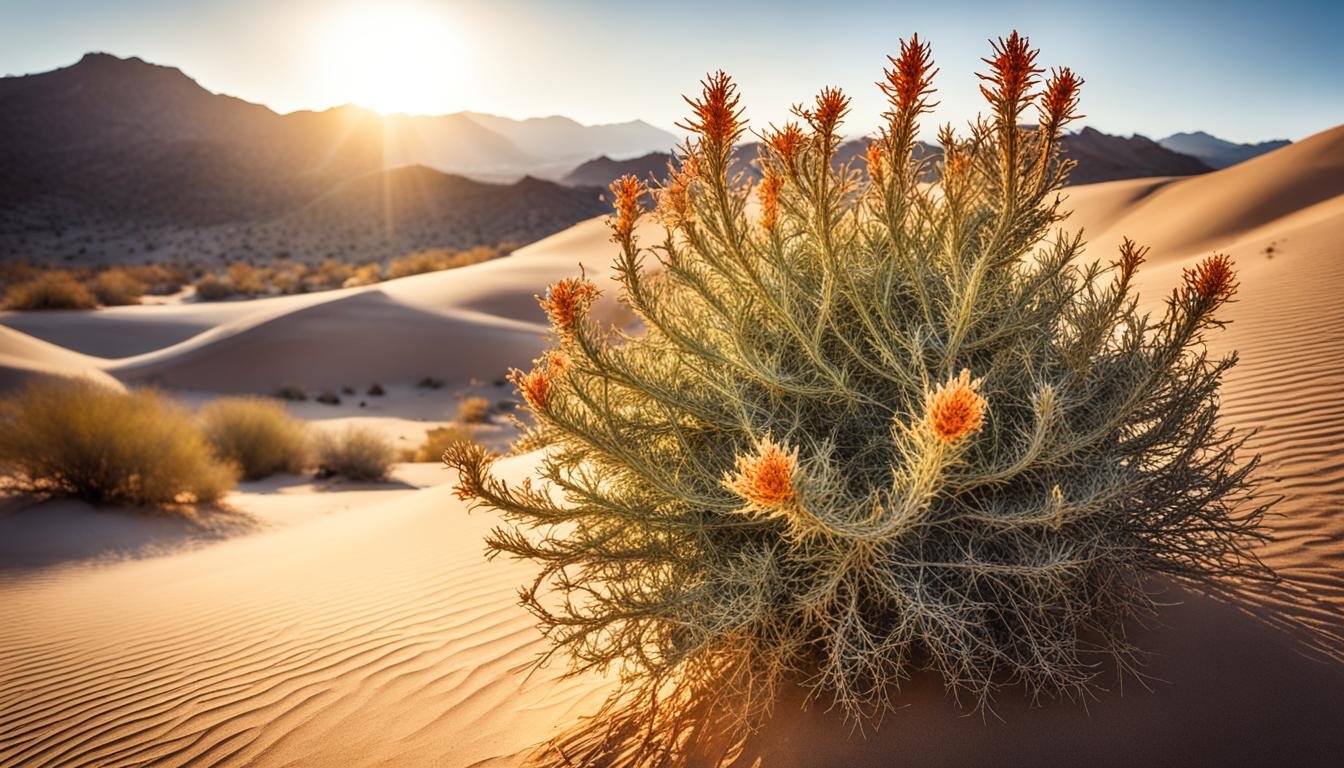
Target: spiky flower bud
909	82
825	118
566	301
627	191
956	410
770	188
1059	102
1012	73
767	476
717	117
786	144
1213	280
535	386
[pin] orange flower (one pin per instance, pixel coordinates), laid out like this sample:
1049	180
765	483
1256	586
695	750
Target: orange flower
535	386
566	301
1013	72
875	156
786	143
956	410
1059	103
769	194
717	118
1213	279
832	106
627	189
674	199
909	82
556	362
766	477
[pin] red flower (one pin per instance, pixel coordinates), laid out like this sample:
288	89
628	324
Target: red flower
956	410
766	477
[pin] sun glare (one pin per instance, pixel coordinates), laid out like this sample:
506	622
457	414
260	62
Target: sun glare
392	58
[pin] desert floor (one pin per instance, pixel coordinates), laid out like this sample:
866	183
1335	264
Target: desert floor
327	623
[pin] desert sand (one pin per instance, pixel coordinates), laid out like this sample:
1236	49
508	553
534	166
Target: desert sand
321	624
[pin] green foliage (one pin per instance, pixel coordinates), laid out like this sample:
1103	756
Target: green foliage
50	290
786	475
357	453
75	438
256	434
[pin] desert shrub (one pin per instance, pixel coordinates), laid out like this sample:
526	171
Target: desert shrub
75	438
357	453
439	439
212	287
430	382
158	279
292	392
328	397
116	287
376	390
473	410
246	279
435	259
329	274
880	427
256	434
50	290
366	274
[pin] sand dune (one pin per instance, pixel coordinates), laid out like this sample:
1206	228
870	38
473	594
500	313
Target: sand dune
459	324
379	635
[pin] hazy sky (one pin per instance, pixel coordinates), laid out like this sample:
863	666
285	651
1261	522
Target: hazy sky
1243	70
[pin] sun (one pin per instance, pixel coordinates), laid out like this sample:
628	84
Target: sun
392	57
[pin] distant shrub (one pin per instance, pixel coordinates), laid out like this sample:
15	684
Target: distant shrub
292	392
357	453
872	426
212	287
438	440
366	274
328	398
74	438
158	279
50	290
246	279
376	390
115	287
429	382
436	259
256	434
473	410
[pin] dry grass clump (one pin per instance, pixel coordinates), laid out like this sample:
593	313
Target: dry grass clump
882	427
357	453
214	288
256	434
435	259
116	287
439	439
75	438
473	410
50	290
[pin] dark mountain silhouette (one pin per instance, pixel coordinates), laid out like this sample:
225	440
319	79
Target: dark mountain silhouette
1100	157
1216	152
115	159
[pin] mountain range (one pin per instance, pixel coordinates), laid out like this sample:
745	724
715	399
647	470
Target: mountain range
1216	152
117	159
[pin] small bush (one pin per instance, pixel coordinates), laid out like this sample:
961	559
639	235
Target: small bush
74	438
246	279
376	390
357	453
256	434
50	290
429	382
115	287
473	410
292	392
328	398
214	288
873	426
438	440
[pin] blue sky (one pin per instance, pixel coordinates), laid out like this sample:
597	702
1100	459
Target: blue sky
1243	70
